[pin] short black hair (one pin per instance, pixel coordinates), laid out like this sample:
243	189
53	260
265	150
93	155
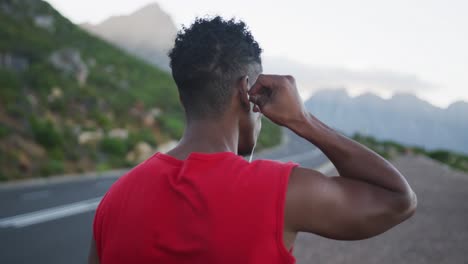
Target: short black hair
207	59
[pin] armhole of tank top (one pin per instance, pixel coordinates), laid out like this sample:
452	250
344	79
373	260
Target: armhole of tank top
285	173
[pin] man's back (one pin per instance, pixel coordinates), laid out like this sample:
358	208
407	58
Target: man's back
209	208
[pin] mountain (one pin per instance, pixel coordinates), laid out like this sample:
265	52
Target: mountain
404	118
311	78
148	33
71	102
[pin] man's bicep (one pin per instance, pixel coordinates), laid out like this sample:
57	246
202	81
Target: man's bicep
336	207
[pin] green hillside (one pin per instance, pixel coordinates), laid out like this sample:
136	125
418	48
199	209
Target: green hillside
70	102
390	149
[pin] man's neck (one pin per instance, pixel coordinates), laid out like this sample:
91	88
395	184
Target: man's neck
207	137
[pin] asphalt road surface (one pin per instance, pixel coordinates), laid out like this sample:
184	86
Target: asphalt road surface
436	234
51	222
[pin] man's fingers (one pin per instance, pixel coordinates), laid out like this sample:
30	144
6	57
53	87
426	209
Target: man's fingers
263	80
258	100
255	88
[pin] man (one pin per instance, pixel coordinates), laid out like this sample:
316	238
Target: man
203	203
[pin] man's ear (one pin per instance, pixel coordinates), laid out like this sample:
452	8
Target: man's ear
243	87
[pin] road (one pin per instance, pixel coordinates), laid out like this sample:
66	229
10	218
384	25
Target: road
436	234
51	223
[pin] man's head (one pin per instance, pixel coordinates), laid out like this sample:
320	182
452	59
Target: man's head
214	63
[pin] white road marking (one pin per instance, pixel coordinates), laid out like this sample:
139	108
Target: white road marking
62	211
49	214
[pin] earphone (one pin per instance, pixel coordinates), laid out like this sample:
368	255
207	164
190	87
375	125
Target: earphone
255	144
256	136
256	133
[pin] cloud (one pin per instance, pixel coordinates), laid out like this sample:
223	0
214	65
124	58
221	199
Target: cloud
381	82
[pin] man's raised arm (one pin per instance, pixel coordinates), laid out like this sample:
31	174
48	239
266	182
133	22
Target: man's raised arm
367	198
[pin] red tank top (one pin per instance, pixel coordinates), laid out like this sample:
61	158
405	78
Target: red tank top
208	208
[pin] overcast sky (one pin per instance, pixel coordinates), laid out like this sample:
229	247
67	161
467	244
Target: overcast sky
422	41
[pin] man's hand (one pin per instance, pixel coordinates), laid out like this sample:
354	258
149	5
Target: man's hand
276	96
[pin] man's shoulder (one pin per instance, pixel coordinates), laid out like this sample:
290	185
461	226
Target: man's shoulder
273	163
270	167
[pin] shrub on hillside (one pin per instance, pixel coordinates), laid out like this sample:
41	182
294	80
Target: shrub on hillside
171	125
4	131
270	135
46	134
145	135
52	167
114	146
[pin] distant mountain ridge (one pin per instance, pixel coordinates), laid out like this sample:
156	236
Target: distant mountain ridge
439	128
403	117
148	33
